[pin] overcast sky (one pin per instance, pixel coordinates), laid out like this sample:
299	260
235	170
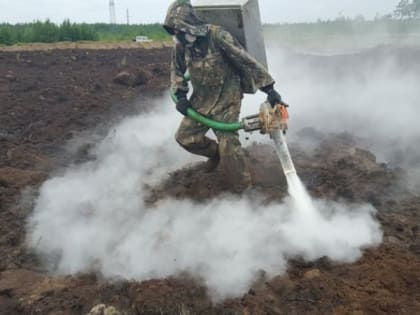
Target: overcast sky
146	11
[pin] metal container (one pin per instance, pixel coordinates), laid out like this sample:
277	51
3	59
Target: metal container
241	18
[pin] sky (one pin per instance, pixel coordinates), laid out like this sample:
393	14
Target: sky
148	11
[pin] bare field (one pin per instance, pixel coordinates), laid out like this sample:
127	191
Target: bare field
86	45
51	94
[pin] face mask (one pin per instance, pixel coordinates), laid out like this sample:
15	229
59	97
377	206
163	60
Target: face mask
190	38
185	38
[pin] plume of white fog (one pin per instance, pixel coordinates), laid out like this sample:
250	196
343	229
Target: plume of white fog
373	95
93	218
379	101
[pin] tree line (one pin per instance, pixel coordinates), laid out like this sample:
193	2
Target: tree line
45	32
408	9
49	32
407	12
344	26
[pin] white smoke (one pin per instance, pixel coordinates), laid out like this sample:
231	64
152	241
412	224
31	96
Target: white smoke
365	99
94	218
372	94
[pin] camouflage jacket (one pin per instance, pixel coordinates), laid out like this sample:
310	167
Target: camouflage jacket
218	65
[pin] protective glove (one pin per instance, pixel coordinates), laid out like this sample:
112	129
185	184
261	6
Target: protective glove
273	97
183	103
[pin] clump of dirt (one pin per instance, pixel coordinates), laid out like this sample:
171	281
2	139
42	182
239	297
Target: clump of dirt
49	98
138	78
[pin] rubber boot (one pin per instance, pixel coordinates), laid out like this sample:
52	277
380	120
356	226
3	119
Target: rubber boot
237	174
212	163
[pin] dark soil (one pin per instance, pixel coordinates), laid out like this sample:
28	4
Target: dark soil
48	98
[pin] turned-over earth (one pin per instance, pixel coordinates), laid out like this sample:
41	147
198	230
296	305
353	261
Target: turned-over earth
53	117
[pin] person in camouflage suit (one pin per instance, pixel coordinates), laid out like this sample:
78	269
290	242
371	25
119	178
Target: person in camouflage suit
220	70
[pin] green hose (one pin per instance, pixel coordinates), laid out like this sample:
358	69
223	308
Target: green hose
213	124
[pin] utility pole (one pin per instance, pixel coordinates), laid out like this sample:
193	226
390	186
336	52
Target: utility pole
128	17
112	17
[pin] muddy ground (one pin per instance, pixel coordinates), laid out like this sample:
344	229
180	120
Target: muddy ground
48	98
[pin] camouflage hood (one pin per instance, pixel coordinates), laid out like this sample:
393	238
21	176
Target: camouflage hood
181	17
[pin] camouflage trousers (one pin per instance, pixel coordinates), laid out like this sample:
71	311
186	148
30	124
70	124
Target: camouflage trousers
191	135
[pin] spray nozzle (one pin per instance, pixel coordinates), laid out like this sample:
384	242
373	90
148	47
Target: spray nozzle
283	117
268	119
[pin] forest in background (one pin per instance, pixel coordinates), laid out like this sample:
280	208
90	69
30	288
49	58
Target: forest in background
48	32
404	21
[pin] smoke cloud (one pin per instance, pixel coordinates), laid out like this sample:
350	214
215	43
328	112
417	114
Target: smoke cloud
372	94
93	218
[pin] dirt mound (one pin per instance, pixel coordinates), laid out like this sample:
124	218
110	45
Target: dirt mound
338	169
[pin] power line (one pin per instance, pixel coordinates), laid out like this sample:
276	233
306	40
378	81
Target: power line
112	17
